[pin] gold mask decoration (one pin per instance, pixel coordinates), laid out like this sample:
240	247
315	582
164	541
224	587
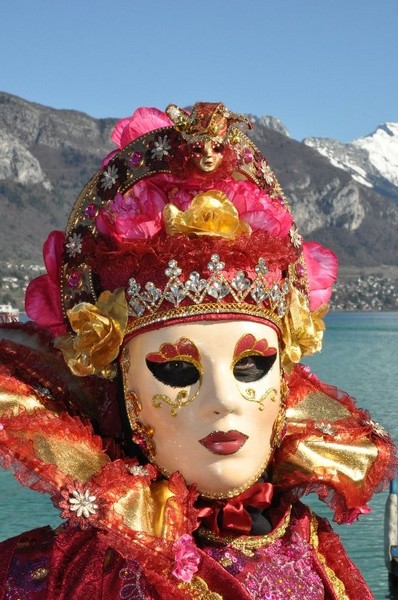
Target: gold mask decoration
142	434
182	399
247	347
184	350
250	395
279	427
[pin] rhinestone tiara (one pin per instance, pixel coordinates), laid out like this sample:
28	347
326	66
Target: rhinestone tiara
195	295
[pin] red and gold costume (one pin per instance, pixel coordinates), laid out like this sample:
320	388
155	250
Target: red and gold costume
131	532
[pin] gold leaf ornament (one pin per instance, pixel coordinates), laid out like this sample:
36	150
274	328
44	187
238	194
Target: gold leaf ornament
99	329
210	213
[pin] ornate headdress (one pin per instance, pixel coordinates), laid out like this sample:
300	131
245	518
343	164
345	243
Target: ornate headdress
167	230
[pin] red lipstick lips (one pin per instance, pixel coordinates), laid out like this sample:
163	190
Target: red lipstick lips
224	442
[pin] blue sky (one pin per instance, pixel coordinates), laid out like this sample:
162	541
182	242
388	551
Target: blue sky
324	68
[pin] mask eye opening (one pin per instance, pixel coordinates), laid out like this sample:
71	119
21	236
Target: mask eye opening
253	367
174	373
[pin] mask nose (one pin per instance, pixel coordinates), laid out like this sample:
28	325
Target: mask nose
219	395
207	150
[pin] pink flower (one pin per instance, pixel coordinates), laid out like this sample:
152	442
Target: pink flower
180	192
43	297
187	558
143	120
182	197
257	209
137	215
322	266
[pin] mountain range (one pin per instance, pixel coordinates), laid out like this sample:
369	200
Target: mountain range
344	195
371	160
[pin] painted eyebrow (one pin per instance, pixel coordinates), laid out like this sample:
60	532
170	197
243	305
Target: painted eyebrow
183	350
247	345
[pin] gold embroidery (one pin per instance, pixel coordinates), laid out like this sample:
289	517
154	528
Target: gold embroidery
184	350
39	574
133	405
337	584
278	427
248	346
232	493
199	590
247	544
242	488
176	403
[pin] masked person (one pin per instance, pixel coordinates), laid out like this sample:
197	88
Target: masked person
167	413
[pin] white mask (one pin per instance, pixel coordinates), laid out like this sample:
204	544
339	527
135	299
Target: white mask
212	406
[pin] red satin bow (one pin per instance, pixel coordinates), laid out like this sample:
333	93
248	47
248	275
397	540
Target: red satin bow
230	517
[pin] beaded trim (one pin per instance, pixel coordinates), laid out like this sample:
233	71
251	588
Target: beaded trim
247	544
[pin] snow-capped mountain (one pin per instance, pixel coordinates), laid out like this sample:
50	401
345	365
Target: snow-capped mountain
343	195
371	160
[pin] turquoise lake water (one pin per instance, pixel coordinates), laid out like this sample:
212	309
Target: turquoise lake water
360	356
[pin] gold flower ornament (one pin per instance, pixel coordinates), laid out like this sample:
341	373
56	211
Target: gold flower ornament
302	330
99	333
210	213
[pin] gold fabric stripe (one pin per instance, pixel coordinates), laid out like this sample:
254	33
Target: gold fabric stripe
11	402
74	459
161	493
317	407
137	509
335	459
326	455
146	509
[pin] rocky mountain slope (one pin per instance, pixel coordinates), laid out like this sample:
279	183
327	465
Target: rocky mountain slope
47	155
357	220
